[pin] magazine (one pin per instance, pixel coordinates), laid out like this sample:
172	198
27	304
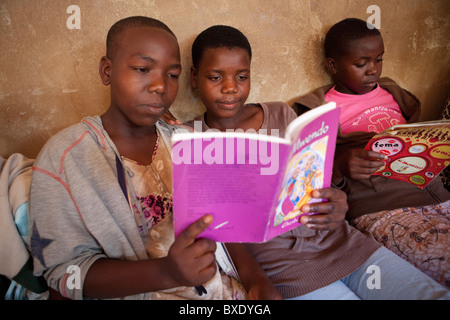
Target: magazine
252	184
417	152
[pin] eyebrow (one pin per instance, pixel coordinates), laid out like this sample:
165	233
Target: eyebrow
380	54
219	71
150	59
147	58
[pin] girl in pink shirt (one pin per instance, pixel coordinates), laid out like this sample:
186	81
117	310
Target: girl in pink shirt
401	216
356	69
374	111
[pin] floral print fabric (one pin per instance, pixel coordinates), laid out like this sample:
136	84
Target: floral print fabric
154	217
420	235
155	208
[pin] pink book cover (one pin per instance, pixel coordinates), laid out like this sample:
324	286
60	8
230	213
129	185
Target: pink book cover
417	153
253	185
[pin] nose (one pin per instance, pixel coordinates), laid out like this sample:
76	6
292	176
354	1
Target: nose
229	85
156	84
372	69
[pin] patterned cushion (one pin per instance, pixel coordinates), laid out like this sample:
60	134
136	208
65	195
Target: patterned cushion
419	235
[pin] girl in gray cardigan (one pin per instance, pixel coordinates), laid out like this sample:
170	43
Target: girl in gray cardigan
101	193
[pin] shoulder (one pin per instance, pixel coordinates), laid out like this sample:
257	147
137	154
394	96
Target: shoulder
193	124
385	81
64	138
166	131
311	100
78	140
408	102
275	104
393	87
277	115
279	108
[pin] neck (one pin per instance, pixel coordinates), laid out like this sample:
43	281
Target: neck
132	141
221	124
117	125
343	89
250	117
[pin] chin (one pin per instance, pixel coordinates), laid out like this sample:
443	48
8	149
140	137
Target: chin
147	120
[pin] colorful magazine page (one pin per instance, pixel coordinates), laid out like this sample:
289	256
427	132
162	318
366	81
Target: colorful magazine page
249	182
417	152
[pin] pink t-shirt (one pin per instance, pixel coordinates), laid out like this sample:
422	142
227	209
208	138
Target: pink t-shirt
374	111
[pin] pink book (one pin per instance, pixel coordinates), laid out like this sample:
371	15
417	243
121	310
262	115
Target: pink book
252	184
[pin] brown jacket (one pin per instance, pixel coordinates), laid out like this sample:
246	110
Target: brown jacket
378	193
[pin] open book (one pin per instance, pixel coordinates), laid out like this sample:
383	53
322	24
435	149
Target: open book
252	184
417	152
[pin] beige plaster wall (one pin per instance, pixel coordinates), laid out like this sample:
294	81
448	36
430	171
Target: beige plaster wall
49	78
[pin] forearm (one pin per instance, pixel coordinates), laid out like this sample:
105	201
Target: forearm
246	265
253	277
189	262
113	278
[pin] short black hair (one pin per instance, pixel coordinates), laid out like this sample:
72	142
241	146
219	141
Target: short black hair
217	37
113	37
340	36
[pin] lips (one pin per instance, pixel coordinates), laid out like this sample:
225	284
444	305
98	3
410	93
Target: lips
228	104
153	105
152	109
370	83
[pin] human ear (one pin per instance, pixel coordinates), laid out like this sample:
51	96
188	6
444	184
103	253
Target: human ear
330	64
194	83
105	70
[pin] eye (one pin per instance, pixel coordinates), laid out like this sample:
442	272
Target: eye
242	77
174	75
360	65
141	69
379	60
214	78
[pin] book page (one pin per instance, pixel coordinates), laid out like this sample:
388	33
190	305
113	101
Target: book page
238	190
238	177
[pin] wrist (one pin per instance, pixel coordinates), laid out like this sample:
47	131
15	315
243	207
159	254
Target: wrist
167	277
